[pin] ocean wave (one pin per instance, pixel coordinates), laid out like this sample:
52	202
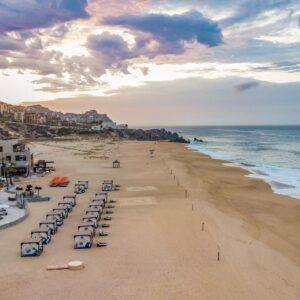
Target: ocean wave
283	180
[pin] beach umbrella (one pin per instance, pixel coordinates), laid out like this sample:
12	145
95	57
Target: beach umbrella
38	188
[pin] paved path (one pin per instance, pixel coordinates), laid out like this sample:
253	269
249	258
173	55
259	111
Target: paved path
14	215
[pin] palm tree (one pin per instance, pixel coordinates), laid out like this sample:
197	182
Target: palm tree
11	171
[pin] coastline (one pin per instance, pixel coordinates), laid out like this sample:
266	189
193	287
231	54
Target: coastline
156	248
276	186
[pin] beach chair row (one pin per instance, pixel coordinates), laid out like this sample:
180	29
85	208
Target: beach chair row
83	238
41	236
81	186
60	181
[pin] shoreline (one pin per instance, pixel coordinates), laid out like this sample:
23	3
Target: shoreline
276	185
157	248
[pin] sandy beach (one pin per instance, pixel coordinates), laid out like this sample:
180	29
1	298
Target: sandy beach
174	213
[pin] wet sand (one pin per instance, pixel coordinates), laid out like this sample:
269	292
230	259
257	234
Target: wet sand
156	246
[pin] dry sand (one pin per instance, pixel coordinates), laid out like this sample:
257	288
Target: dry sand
156	247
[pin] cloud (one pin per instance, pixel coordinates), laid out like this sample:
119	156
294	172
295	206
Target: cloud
111	45
173	30
245	86
28	14
250	9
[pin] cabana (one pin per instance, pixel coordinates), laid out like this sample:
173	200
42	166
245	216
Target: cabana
44	233
83	239
101	196
98	202
97	206
84	182
107	185
87	226
56	216
79	188
89	218
70	199
50	224
32	247
116	164
93	212
66	205
64	211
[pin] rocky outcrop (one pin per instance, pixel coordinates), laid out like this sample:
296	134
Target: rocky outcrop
151	135
44	131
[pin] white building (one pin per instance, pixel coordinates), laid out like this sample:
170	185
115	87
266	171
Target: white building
122	126
17	154
112	125
104	125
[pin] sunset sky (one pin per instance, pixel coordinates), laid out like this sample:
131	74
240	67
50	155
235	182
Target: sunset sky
149	62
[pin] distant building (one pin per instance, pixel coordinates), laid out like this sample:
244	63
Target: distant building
34	118
5	108
19	116
122	126
14	153
109	124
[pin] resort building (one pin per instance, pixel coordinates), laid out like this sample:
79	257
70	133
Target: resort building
19	116
5	108
34	118
18	155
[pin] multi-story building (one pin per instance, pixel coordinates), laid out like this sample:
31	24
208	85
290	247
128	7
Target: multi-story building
5	108
19	116
18	155
34	118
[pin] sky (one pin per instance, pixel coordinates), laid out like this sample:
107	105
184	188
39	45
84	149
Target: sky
150	62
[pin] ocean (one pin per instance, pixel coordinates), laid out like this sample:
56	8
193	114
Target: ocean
271	153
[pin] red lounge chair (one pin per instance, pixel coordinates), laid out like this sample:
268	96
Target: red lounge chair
55	181
64	181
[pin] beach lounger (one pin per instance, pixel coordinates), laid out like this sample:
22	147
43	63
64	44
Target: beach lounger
84	182
67	205
107	185
54	182
64	181
87	226
31	247
64	211
70	199
56	216
101	244
50	224
83	239
44	233
89	218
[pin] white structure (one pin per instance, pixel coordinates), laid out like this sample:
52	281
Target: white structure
122	126
112	125
106	125
18	154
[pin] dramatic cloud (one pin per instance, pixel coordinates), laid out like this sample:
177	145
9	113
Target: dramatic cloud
99	46
173	30
245	86
27	14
